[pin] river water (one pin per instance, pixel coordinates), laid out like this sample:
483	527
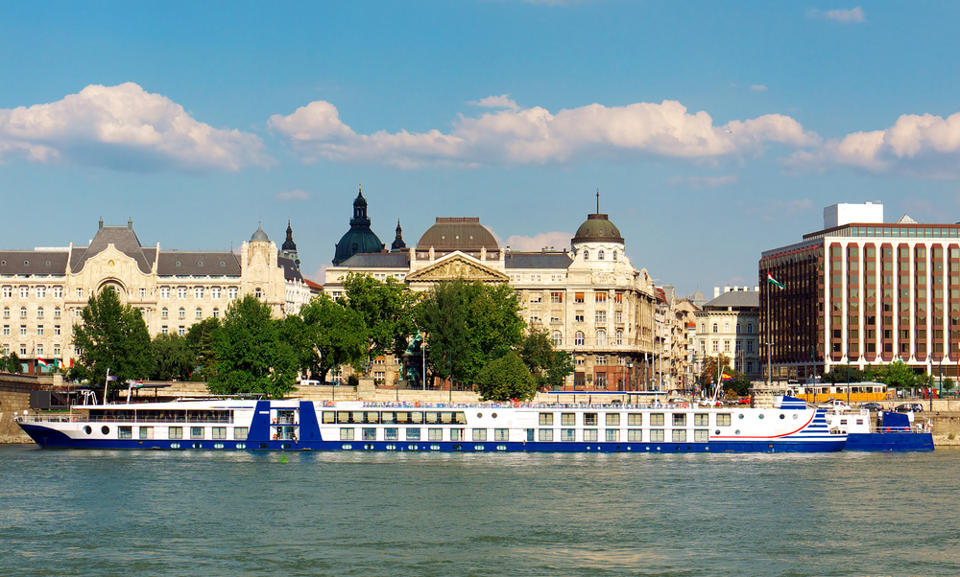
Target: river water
102	513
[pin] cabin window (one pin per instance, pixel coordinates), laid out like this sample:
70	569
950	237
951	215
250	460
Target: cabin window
196	432
613	435
679	436
460	418
656	419
724	419
456	434
416	417
371	417
701	435
433	418
590	435
387	417
568	419
546	419
634	419
329	417
568	435
434	434
346	433
175	433
634	435
546	435
590	419
146	432
613	419
369	433
501	435
701	420
479	435
219	433
679	419
656	435
391	434
125	432
412	434
240	433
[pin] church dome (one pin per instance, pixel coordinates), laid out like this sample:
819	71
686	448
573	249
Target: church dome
259	235
359	238
597	228
458	233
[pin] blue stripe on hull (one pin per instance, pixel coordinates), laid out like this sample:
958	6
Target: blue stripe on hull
889	442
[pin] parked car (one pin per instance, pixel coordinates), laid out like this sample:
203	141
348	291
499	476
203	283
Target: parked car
872	406
909	407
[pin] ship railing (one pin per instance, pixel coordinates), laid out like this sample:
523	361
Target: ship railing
615	406
78	417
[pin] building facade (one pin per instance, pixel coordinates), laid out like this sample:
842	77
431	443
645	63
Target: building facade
589	299
43	291
729	325
864	293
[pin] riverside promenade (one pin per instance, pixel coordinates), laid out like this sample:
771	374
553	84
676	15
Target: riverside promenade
15	393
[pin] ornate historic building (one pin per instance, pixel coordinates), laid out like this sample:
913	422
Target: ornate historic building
43	291
729	325
359	239
589	298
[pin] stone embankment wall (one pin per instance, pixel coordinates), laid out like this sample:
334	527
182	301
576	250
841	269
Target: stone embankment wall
15	397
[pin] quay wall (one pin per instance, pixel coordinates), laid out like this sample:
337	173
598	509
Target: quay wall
15	397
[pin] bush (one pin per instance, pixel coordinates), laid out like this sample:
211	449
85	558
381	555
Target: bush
506	378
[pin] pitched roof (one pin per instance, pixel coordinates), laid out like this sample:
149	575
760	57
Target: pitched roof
737	299
537	260
378	260
290	270
121	237
176	263
33	262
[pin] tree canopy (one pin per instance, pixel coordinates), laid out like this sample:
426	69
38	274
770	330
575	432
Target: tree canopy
386	309
112	337
251	356
333	334
548	366
174	359
200	342
468	324
506	378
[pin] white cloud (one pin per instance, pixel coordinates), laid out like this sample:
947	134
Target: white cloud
917	144
778	209
758	87
295	194
853	15
704	181
556	240
125	128
537	136
501	101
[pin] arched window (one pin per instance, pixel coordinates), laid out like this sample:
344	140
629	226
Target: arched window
557	338
586	255
726	327
749	328
23	312
619	336
715	327
258	292
738	328
601	338
614	256
578	338
199	313
39	312
164	313
182	313
599	255
216	313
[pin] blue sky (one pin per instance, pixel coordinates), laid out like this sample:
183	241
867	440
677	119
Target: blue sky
713	130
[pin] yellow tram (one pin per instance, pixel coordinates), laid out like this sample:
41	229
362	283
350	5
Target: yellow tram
852	392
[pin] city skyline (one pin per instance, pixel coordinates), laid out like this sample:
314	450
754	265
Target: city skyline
711	134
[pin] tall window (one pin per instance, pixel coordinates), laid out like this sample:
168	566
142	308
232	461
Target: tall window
181	292
58	292
164	292
619	336
164	313
601	338
7	292
181	313
41	292
232	293
215	292
578	338
216	313
557	338
715	327
39	312
199	313
198	292
24	292
56	312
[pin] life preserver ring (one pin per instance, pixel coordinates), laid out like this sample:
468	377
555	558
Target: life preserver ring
516	403
416	403
328	403
73	419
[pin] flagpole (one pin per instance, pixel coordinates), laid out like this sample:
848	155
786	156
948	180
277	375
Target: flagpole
769	367
106	383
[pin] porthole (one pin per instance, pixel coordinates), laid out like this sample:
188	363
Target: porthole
494	415
174	445
3	263
782	416
199	263
740	416
761	416
794	416
479	415
178	264
26	263
105	430
222	263
717	432
737	432
87	429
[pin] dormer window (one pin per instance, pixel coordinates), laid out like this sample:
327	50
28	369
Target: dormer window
586	255
600	255
614	256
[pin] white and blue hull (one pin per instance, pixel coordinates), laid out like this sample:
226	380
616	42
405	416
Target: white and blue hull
359	426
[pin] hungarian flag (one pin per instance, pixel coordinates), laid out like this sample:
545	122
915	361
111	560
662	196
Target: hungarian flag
774	281
42	362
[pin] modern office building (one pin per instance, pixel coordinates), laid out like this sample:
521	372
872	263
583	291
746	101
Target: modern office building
863	292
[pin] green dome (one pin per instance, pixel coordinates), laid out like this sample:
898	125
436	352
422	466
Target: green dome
359	238
597	228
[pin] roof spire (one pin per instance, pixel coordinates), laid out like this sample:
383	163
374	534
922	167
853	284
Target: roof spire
598	200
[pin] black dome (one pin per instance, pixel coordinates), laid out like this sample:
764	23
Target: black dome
359	238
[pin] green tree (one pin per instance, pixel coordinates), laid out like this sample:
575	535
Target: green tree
709	372
506	378
112	337
174	359
11	363
386	309
844	374
548	366
898	375
947	384
335	335
200	341
468	324
251	356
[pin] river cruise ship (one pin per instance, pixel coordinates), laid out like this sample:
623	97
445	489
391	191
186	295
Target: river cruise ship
290	425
